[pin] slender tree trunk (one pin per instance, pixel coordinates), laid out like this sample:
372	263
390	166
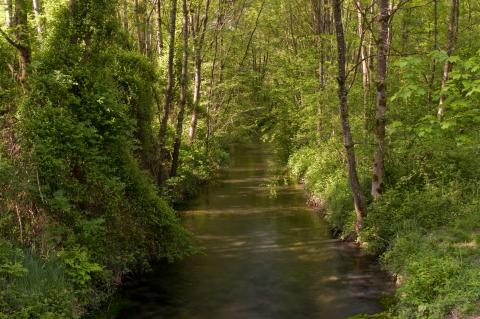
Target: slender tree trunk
22	39
126	26
38	19
212	107
370	57
196	101
291	27
447	67
321	83
210	94
8	13
148	36
364	59
198	39
167	105
159	28
183	93
319	26
389	29
378	170
137	11
360	208
435	47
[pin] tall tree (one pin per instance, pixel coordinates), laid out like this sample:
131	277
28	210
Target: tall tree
159	27
447	67
435	47
22	39
126	26
38	19
318	28
363	55
199	28
8	13
378	170
138	11
167	105
360	208
183	93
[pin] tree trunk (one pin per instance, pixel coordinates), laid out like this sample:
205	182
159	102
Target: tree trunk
360	208
22	39
198	39
168	90
125	16
435	47
196	101
147	35
321	83
137	11
8	13
447	67
364	59
381	103
318	26
183	93
159	28
212	107
38	19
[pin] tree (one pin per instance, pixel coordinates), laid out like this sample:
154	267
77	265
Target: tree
38	19
447	66
378	170
364	58
159	28
8	13
199	28
183	93
138	12
349	145
168	90
22	40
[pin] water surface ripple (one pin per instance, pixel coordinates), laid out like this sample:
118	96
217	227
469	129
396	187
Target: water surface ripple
265	257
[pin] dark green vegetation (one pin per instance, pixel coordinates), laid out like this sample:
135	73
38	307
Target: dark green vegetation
102	100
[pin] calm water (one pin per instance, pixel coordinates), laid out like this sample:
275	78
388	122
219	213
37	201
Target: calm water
265	257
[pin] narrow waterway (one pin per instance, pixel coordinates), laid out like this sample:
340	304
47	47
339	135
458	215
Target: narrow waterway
266	256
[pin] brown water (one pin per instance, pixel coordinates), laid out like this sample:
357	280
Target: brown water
265	257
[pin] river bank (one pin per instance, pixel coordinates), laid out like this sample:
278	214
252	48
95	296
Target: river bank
414	232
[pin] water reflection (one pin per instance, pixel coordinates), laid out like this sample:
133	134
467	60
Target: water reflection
266	257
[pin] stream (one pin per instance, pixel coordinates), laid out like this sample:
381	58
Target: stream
267	255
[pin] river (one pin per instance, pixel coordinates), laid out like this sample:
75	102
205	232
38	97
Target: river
267	255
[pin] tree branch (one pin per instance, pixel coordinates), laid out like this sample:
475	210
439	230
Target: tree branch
10	40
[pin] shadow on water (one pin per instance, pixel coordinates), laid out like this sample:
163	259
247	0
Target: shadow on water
265	257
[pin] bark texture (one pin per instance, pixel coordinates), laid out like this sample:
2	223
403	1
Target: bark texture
159	28
363	57
199	28
378	170
8	13
360	208
183	94
167	105
20	22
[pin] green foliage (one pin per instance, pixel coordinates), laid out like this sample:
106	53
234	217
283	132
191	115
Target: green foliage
325	178
84	131
33	288
79	267
425	225
196	169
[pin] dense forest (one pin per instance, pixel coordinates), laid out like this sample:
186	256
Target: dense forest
113	111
